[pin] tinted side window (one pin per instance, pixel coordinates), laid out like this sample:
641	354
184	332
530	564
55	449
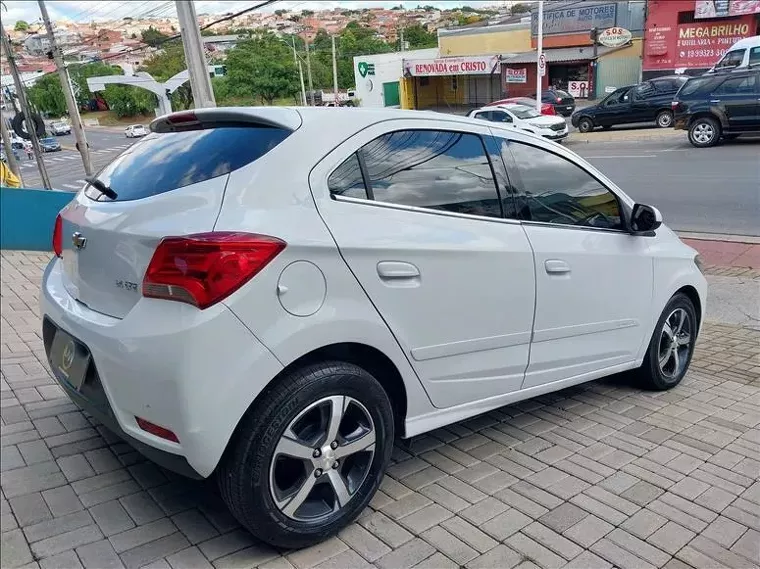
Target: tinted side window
754	55
163	162
554	190
547	97
737	86
439	170
346	179
731	59
500	116
693	86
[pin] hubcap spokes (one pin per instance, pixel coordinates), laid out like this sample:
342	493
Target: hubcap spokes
675	343
322	458
703	133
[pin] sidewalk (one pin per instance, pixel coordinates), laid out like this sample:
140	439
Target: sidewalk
727	253
594	476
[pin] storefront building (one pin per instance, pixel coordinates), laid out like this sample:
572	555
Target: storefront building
378	78
690	36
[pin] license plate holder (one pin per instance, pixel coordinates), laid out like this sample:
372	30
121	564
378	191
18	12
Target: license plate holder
69	359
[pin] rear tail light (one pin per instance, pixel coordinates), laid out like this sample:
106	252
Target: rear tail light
153	429
549	110
205	268
58	236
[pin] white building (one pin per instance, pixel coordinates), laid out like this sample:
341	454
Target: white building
378	76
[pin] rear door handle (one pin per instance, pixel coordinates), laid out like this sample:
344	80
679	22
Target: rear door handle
556	267
397	270
715	100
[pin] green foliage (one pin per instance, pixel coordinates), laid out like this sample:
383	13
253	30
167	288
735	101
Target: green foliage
153	37
127	101
80	73
520	8
419	38
47	95
167	62
21	26
307	13
263	67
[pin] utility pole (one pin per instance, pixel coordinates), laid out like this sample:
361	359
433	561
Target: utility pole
540	53
192	42
12	164
71	104
300	72
335	71
21	95
401	36
308	71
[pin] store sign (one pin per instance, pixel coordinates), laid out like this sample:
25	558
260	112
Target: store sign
692	46
516	75
576	19
451	66
725	8
366	68
578	88
615	37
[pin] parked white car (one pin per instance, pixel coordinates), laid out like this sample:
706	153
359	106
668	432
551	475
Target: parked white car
277	322
135	131
553	127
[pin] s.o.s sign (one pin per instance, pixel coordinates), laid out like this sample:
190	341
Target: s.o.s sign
615	37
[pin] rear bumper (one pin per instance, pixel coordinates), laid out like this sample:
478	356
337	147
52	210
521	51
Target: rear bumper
192	371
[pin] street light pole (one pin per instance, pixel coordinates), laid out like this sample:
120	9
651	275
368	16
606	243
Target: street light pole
71	103
300	72
540	53
308	71
21	94
197	68
335	71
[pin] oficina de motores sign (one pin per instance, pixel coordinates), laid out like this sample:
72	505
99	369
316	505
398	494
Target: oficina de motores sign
576	19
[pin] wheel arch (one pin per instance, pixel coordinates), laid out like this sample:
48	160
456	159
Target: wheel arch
691	293
708	115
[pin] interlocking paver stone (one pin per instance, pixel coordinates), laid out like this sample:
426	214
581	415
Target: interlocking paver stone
596	475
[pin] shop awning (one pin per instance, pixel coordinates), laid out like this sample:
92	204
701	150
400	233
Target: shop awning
558	55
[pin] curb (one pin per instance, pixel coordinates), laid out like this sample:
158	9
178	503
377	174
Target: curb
621	136
748	239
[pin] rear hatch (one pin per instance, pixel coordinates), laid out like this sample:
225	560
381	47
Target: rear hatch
171	183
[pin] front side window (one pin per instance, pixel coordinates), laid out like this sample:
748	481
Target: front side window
731	59
554	190
754	55
432	169
500	116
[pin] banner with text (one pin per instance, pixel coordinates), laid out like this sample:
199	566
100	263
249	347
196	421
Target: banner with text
576	19
484	65
692	46
725	8
519	75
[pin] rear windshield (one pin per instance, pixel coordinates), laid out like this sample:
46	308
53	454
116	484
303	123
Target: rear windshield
163	162
563	94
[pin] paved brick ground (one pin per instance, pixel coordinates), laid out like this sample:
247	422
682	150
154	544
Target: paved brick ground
597	476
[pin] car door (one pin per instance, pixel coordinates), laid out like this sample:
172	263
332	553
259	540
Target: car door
426	239
593	279
614	109
643	104
736	99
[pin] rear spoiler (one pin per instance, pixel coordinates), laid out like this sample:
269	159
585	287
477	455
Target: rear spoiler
201	119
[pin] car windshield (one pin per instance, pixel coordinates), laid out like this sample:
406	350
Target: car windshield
562	94
49	141
57	125
523	112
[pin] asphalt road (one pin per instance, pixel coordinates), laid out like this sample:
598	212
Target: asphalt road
713	190
710	190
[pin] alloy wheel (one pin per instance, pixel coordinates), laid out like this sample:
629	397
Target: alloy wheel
675	344
322	458
704	133
664	120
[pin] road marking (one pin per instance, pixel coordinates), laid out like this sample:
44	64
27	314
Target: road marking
81	181
623	156
74	186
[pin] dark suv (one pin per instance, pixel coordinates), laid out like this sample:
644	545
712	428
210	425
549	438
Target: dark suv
562	101
722	105
646	102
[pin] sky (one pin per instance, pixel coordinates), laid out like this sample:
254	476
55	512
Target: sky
88	10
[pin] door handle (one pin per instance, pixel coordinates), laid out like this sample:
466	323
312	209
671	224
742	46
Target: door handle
391	270
715	100
556	267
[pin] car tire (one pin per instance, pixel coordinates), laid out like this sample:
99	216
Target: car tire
260	482
672	345
665	119
704	132
585	124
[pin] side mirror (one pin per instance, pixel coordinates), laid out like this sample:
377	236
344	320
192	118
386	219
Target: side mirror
645	219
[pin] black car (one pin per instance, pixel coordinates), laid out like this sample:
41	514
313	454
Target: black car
646	102
564	102
724	105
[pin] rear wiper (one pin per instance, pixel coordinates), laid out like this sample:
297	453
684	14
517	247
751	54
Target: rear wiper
101	187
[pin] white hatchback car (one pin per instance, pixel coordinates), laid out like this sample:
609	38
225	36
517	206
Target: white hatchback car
553	127
236	300
135	131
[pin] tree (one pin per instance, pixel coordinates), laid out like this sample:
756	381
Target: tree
80	73
520	8
166	63
128	101
21	26
153	37
419	38
263	67
47	96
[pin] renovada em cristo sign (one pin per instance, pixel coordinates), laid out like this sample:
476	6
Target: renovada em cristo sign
484	65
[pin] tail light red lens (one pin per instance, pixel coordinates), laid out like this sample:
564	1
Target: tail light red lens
153	429
205	268
58	236
548	110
